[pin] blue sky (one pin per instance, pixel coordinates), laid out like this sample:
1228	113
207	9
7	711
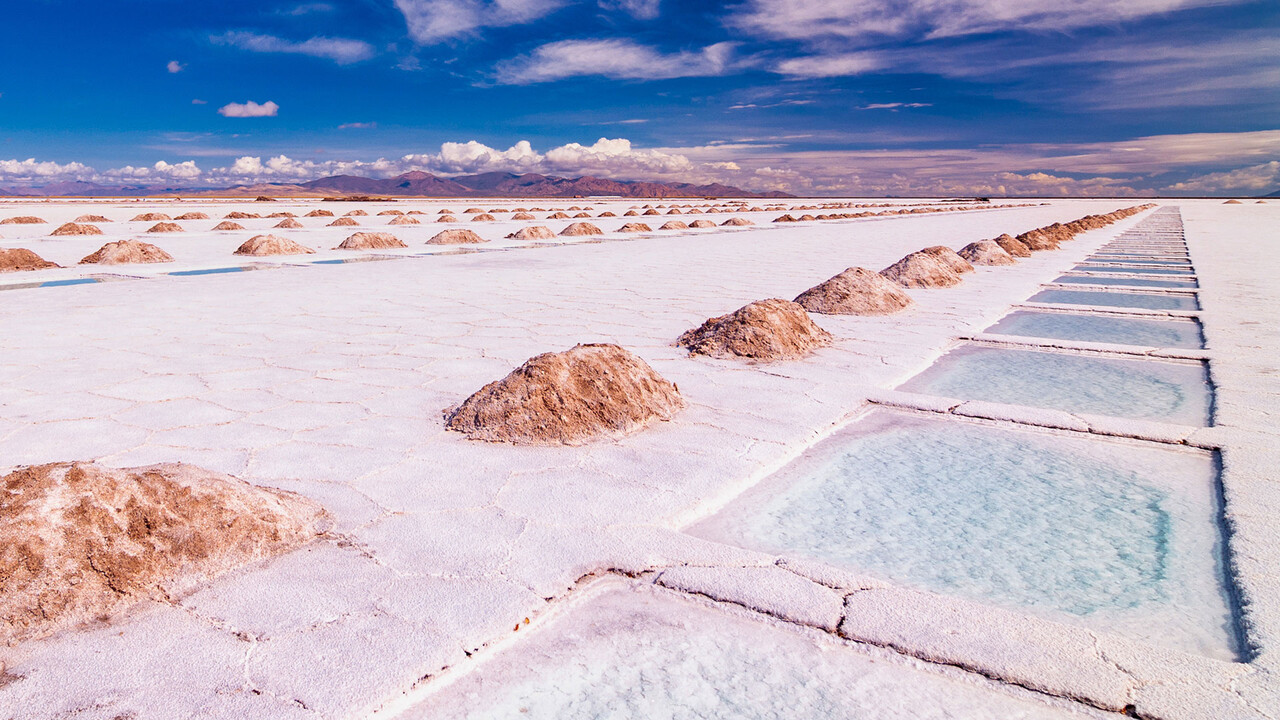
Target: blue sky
809	96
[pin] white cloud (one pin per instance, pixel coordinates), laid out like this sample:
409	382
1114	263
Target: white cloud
639	9
431	21
1252	180
249	109
613	58
894	106
615	158
198	101
474	157
175	67
160	171
31	169
358	126
841	64
340	50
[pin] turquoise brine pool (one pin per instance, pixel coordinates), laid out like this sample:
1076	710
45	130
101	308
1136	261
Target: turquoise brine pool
1101	328
1148	301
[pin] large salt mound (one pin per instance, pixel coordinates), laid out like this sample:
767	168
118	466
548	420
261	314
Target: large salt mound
165	227
856	291
21	260
675	225
446	219
702	224
192	216
581	228
228	225
343	222
150	217
921	270
404	220
737	221
535	232
522	216
764	330
1013	245
324	213
80	541
950	258
482	217
371	241
240	215
635	227
272	245
76	229
92	219
1043	238
455	236
288	224
570	397
22	220
124	252
986	252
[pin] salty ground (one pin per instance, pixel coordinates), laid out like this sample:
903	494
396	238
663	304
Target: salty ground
468	579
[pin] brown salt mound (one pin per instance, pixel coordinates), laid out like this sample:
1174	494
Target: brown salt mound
569	398
76	229
635	227
192	216
404	220
1233	202
921	270
165	227
455	236
288	224
391	212
1013	246
124	252
371	241
856	291
327	213
79	541
238	215
272	245
483	217
522	216
702	224
558	216
581	228
630	213
675	225
446	219
150	217
92	219
228	225
21	260
535	232
351	213
986	252
22	220
343	222
764	330
737	221
950	258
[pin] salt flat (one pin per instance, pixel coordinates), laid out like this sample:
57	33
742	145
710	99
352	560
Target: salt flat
330	380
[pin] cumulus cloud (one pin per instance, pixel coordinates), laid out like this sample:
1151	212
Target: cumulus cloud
1252	180
160	171
249	109
613	58
175	67
22	171
431	21
474	157
614	158
340	50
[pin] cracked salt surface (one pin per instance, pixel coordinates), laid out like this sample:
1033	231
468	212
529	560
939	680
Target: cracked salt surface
1149	301
646	653
1122	537
1101	328
1173	392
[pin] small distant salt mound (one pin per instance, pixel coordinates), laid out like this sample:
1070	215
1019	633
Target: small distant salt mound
1012	245
856	291
582	228
785	218
675	225
1261	202
535	232
329	213
228	225
737	222
22	260
456	236
192	216
702	224
804	218
83	541
483	217
165	227
343	222
288	224
1038	240
498	210
582	215
674	211
349	213
92	219
569	398
404	220
1233	202
986	252
558	216
606	213
371	241
124	252
694	211
650	212
22	220
446	219
522	216
391	212
272	245
950	258
238	215
264	198
921	270
635	227
276	215
472	211
765	330
150	217
631	213
76	229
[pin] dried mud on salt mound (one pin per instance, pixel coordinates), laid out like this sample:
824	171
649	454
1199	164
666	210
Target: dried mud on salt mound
272	245
92	219
76	229
986	252
371	241
950	258
535	232
228	225
150	217
165	227
22	220
581	228
192	216
289	224
349	213
737	222
569	398
343	222
921	270
1012	245
455	236
79	541
635	227
765	330
123	252
702	224
558	216
856	291
22	260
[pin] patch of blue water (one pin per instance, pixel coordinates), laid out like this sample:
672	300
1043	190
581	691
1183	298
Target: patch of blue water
1147	301
1132	282
1086	267
1101	328
208	271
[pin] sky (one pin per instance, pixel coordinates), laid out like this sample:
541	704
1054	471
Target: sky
812	97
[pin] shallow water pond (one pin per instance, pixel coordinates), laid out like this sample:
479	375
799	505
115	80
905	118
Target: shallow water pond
1101	328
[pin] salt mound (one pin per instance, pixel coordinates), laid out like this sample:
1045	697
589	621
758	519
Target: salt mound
228	225
674	211
675	225
192	216
702	224
535	232
582	215
343	222
150	217
22	220
165	227
391	212
522	216
455	236
446	219
125	252
238	215
986	252
286	214
329	213
483	217
606	213
21	260
558	216
289	224
737	221
921	270
350	213
371	241
950	258
81	541
635	227
1233	202
92	219
581	228
785	218
272	245
764	330
1013	246
631	213
76	229
856	291
570	397
1044	238
404	220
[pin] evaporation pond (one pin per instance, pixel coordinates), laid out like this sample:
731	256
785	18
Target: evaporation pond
1164	391
1143	270
1101	328
1132	282
1119	536
1148	301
